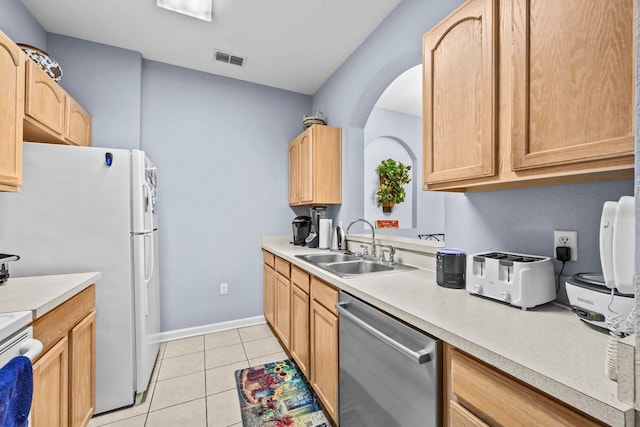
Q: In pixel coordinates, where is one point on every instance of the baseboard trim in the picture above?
(213, 327)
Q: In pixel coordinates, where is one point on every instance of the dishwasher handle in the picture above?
(421, 356)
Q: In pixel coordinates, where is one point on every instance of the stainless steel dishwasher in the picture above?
(389, 371)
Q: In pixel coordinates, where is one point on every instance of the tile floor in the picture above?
(193, 381)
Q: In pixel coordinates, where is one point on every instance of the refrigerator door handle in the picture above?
(148, 269)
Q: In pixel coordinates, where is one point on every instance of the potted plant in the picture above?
(393, 176)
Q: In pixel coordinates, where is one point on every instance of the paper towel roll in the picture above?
(325, 233)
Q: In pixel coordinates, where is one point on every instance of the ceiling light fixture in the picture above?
(200, 9)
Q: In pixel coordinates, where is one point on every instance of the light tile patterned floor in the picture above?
(193, 383)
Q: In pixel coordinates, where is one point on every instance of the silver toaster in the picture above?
(521, 280)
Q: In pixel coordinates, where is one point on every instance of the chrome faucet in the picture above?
(373, 234)
(387, 249)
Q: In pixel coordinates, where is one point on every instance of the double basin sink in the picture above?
(347, 265)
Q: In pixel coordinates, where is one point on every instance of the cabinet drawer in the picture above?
(460, 417)
(501, 400)
(324, 294)
(269, 258)
(56, 324)
(300, 278)
(283, 267)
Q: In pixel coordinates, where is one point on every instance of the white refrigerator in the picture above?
(94, 209)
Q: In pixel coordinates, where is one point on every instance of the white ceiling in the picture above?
(289, 44)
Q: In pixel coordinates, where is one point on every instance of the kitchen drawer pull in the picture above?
(420, 357)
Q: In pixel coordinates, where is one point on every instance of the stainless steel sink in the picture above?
(346, 265)
(327, 258)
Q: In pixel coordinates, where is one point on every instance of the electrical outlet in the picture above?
(566, 238)
(224, 288)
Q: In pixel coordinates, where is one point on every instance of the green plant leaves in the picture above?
(393, 176)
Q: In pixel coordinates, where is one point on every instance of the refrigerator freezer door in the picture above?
(147, 305)
(73, 214)
(144, 184)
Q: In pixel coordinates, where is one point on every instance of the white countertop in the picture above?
(40, 294)
(547, 347)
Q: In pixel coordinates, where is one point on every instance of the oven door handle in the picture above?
(420, 357)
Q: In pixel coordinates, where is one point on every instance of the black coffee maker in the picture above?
(301, 226)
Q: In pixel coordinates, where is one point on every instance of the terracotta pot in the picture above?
(387, 207)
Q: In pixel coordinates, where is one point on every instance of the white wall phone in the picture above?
(617, 244)
(617, 257)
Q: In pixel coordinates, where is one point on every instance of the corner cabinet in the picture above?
(477, 394)
(12, 74)
(64, 374)
(315, 167)
(528, 92)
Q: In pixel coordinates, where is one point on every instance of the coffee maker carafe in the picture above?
(316, 213)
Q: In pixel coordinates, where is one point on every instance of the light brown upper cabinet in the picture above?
(79, 123)
(315, 169)
(529, 92)
(12, 71)
(51, 115)
(573, 81)
(459, 95)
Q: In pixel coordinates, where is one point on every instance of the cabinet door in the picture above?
(300, 328)
(282, 309)
(78, 125)
(459, 100)
(11, 113)
(324, 357)
(306, 167)
(82, 363)
(45, 100)
(574, 81)
(294, 170)
(268, 296)
(50, 404)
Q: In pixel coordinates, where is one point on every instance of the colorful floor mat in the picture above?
(277, 395)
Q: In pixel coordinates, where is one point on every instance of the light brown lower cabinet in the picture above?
(268, 286)
(299, 342)
(64, 373)
(324, 345)
(82, 363)
(477, 394)
(50, 404)
(282, 298)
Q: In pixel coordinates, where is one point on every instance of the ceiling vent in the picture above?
(229, 59)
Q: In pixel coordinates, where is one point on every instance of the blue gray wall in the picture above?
(221, 150)
(428, 206)
(510, 220)
(106, 81)
(18, 23)
(348, 97)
